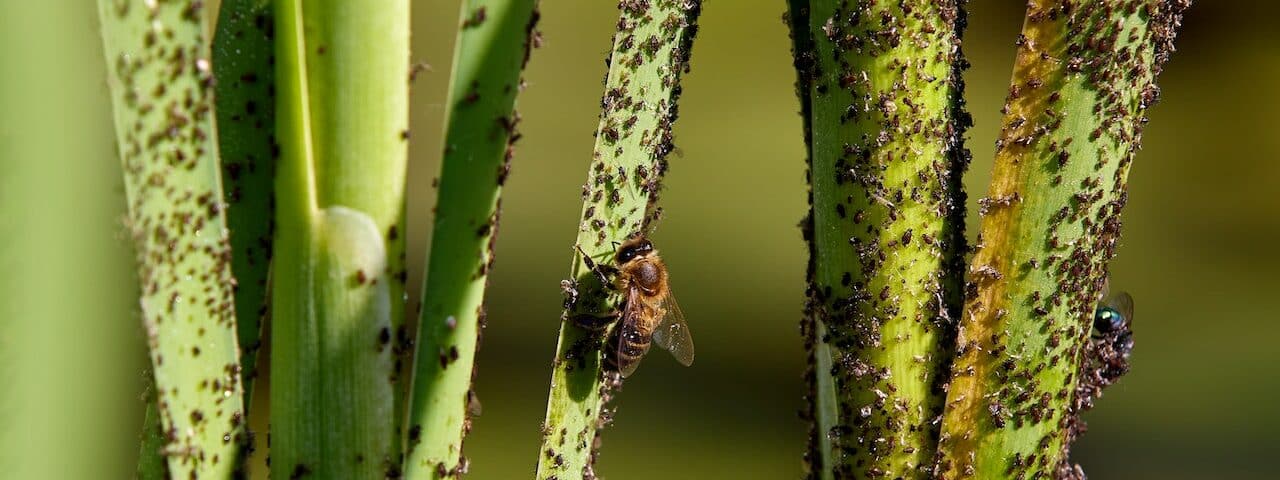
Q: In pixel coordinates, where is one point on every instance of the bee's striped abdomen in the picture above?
(630, 342)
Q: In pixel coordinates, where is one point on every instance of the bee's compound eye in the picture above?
(626, 254)
(631, 250)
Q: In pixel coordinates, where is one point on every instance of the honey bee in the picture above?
(649, 313)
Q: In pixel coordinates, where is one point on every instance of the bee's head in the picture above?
(631, 249)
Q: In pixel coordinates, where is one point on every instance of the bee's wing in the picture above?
(673, 333)
(630, 335)
(1123, 303)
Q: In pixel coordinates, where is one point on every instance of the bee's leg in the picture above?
(593, 321)
(602, 272)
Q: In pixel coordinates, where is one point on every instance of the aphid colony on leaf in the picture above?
(648, 313)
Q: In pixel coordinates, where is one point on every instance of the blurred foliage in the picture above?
(71, 341)
(1196, 252)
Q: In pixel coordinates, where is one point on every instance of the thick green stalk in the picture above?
(493, 44)
(161, 84)
(341, 122)
(1083, 79)
(242, 56)
(887, 222)
(650, 52)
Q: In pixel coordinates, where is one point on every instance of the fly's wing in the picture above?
(1123, 303)
(672, 333)
(631, 342)
(473, 404)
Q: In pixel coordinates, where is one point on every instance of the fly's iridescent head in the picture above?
(1108, 319)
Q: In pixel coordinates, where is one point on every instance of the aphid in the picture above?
(649, 313)
(570, 290)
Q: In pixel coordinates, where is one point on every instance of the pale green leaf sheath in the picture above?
(1082, 82)
(341, 121)
(886, 229)
(650, 52)
(494, 40)
(242, 51)
(161, 84)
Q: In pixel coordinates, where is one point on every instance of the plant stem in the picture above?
(161, 85)
(650, 52)
(1083, 79)
(493, 45)
(242, 64)
(886, 233)
(341, 124)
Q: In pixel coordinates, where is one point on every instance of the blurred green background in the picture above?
(1197, 251)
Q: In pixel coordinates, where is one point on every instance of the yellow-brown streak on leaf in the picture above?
(998, 230)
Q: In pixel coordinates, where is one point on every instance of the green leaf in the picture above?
(161, 83)
(493, 45)
(242, 63)
(1083, 79)
(650, 52)
(886, 229)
